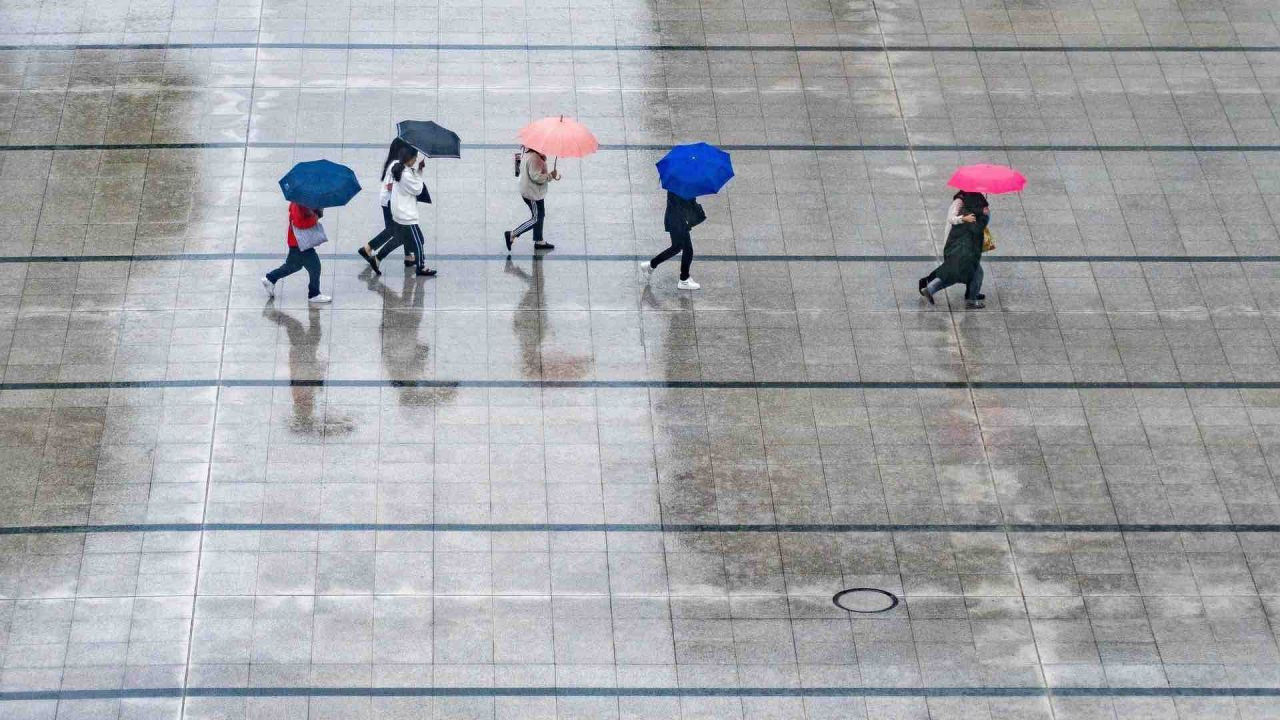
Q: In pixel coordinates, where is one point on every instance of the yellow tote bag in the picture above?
(988, 241)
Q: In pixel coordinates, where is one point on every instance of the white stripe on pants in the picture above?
(527, 225)
(410, 237)
(416, 233)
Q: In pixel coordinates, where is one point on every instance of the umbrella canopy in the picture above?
(693, 170)
(429, 138)
(319, 184)
(562, 137)
(989, 179)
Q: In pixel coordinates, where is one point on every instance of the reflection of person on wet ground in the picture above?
(530, 305)
(303, 345)
(404, 356)
(536, 363)
(679, 342)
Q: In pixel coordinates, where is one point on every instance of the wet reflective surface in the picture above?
(536, 487)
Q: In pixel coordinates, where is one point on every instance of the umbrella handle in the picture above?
(555, 162)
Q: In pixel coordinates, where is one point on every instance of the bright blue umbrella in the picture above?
(320, 184)
(693, 170)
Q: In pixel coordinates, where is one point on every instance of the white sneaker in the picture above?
(688, 285)
(269, 286)
(319, 299)
(646, 271)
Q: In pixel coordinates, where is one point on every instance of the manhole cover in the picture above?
(865, 600)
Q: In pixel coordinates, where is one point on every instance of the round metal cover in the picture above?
(865, 600)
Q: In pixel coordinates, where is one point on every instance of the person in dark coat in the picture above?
(681, 216)
(962, 255)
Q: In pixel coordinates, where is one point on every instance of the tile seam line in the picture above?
(679, 528)
(591, 691)
(657, 47)
(612, 147)
(600, 257)
(650, 384)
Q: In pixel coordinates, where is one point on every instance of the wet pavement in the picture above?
(536, 487)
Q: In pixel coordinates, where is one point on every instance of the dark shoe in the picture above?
(924, 282)
(924, 292)
(543, 246)
(975, 304)
(507, 236)
(373, 261)
(426, 272)
(410, 261)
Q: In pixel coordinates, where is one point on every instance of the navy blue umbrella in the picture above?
(693, 170)
(430, 139)
(320, 184)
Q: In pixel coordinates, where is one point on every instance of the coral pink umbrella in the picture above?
(991, 179)
(559, 137)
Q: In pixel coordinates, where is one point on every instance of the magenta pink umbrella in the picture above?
(989, 179)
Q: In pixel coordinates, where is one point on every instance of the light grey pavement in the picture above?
(537, 487)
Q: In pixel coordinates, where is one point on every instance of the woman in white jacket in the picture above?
(403, 152)
(406, 185)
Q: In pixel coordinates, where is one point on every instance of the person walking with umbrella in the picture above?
(681, 216)
(407, 184)
(369, 251)
(310, 187)
(967, 236)
(686, 172)
(962, 255)
(561, 137)
(421, 139)
(302, 221)
(534, 181)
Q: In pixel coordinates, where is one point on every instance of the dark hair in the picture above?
(407, 154)
(393, 154)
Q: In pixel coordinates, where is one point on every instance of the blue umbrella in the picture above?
(320, 184)
(693, 170)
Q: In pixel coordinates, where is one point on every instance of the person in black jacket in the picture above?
(681, 216)
(962, 255)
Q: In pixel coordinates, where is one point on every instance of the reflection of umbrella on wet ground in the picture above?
(429, 138)
(987, 179)
(693, 170)
(319, 184)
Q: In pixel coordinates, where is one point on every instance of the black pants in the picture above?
(408, 236)
(297, 260)
(537, 213)
(681, 243)
(386, 240)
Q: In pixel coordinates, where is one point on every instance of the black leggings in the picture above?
(682, 243)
